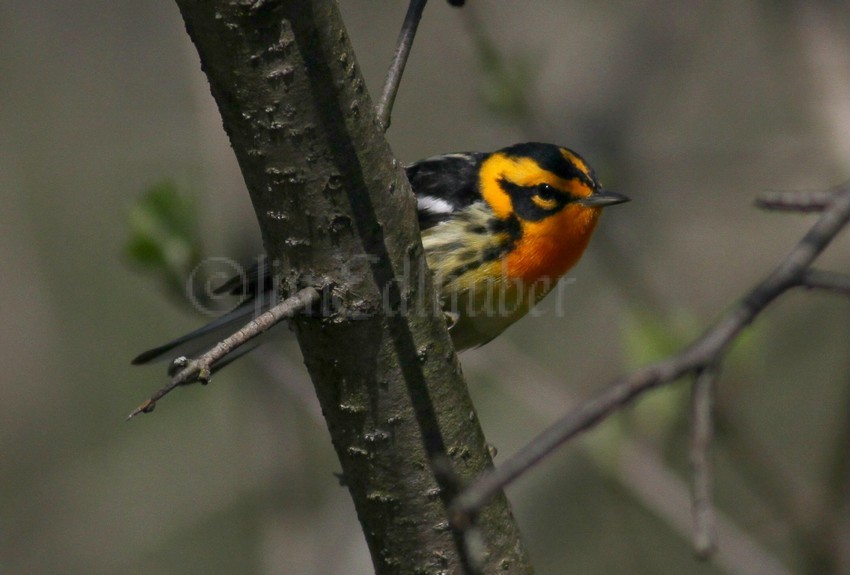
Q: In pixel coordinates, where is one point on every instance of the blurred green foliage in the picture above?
(164, 236)
(504, 79)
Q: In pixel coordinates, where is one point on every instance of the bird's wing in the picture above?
(443, 185)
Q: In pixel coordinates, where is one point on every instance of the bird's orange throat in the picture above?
(548, 248)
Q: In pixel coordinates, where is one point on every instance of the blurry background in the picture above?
(691, 111)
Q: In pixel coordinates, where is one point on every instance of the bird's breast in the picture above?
(550, 247)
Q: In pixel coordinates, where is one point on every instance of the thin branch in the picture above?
(640, 467)
(705, 351)
(702, 435)
(662, 491)
(796, 201)
(829, 281)
(200, 369)
(402, 51)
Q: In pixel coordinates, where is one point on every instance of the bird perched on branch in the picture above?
(499, 230)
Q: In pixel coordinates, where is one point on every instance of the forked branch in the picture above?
(705, 352)
(200, 369)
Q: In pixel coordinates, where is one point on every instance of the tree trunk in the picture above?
(336, 212)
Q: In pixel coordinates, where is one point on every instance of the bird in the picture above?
(499, 229)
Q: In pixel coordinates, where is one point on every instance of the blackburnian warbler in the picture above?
(499, 230)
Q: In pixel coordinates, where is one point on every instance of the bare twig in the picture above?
(829, 281)
(796, 201)
(640, 467)
(705, 351)
(402, 51)
(666, 495)
(200, 369)
(702, 435)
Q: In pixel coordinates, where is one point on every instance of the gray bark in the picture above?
(336, 211)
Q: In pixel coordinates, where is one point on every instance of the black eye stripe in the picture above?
(524, 206)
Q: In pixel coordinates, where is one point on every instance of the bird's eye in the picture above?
(545, 192)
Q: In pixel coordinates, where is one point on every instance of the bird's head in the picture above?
(554, 197)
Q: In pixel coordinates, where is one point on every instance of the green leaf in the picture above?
(163, 234)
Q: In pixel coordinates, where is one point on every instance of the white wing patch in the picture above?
(434, 205)
(467, 156)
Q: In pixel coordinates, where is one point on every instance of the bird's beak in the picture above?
(602, 198)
